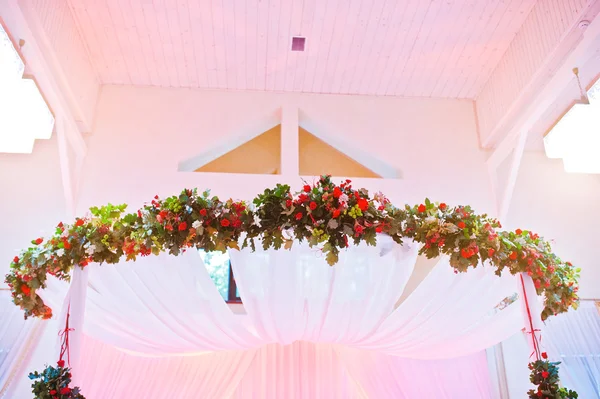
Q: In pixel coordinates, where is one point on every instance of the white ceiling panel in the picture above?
(411, 48)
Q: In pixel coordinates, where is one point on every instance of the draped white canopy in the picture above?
(168, 308)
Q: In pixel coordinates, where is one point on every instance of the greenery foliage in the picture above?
(53, 383)
(327, 215)
(544, 375)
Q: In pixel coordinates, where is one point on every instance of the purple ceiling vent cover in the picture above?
(298, 43)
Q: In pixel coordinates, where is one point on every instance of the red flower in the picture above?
(65, 391)
(237, 223)
(518, 232)
(79, 222)
(288, 203)
(53, 392)
(461, 225)
(203, 212)
(422, 208)
(533, 236)
(378, 229)
(442, 206)
(491, 252)
(545, 374)
(169, 227)
(39, 241)
(225, 222)
(16, 259)
(163, 214)
(307, 188)
(544, 355)
(363, 204)
(336, 213)
(313, 205)
(337, 192)
(467, 252)
(139, 213)
(67, 244)
(540, 394)
(358, 229)
(299, 216)
(513, 255)
(25, 289)
(182, 226)
(60, 224)
(61, 363)
(302, 198)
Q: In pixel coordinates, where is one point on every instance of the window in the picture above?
(219, 268)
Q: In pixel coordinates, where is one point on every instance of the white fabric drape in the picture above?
(450, 315)
(291, 295)
(573, 338)
(168, 305)
(110, 373)
(384, 376)
(161, 305)
(17, 339)
(301, 370)
(164, 314)
(294, 295)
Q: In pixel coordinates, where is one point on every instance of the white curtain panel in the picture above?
(106, 372)
(573, 338)
(384, 376)
(450, 315)
(294, 295)
(18, 338)
(302, 370)
(159, 328)
(159, 305)
(168, 305)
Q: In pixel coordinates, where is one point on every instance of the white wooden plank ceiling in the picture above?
(411, 48)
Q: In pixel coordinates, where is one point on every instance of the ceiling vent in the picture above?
(298, 43)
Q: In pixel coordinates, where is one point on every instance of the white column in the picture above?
(290, 167)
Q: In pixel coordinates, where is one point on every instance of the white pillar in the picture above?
(290, 164)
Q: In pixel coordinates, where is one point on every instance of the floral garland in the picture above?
(53, 383)
(326, 215)
(544, 375)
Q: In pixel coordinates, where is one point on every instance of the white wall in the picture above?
(141, 135)
(31, 198)
(563, 207)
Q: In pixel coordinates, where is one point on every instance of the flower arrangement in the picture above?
(544, 375)
(53, 383)
(330, 216)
